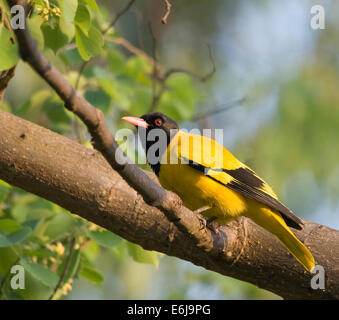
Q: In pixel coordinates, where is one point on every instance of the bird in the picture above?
(211, 180)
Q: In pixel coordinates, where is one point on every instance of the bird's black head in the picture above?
(150, 122)
(160, 121)
(154, 120)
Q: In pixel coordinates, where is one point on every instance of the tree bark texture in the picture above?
(80, 180)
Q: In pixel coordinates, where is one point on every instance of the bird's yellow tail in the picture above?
(274, 223)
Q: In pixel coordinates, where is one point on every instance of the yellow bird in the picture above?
(206, 175)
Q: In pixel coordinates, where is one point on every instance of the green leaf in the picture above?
(120, 251)
(83, 19)
(68, 9)
(67, 28)
(3, 192)
(119, 92)
(56, 112)
(92, 275)
(9, 256)
(34, 25)
(54, 38)
(99, 99)
(91, 251)
(15, 237)
(93, 5)
(41, 273)
(40, 253)
(70, 57)
(91, 45)
(4, 241)
(59, 225)
(141, 255)
(104, 238)
(139, 68)
(8, 49)
(181, 96)
(9, 225)
(5, 184)
(142, 99)
(116, 61)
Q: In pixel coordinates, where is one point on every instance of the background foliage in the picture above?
(280, 115)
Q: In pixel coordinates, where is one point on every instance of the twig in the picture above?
(117, 17)
(85, 63)
(131, 48)
(168, 11)
(155, 96)
(163, 77)
(128, 46)
(65, 270)
(169, 203)
(5, 78)
(192, 74)
(224, 108)
(6, 75)
(76, 124)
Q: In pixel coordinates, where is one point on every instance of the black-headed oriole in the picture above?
(206, 175)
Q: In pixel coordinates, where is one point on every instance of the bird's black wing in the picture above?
(244, 181)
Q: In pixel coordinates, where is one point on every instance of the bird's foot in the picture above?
(213, 225)
(210, 223)
(202, 209)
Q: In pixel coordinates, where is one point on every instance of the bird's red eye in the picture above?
(158, 122)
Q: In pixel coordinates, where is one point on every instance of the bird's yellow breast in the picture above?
(195, 188)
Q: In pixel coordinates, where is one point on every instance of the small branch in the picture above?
(76, 124)
(131, 48)
(167, 13)
(169, 203)
(192, 74)
(118, 16)
(6, 75)
(161, 78)
(5, 78)
(155, 96)
(65, 270)
(224, 108)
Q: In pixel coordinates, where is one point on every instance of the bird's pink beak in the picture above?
(136, 121)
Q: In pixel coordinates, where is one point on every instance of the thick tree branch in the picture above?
(93, 118)
(80, 180)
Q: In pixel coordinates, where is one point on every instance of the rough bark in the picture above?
(80, 180)
(170, 204)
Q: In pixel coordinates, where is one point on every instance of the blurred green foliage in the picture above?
(295, 149)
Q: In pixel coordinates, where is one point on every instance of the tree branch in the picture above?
(80, 180)
(167, 13)
(5, 75)
(119, 14)
(168, 202)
